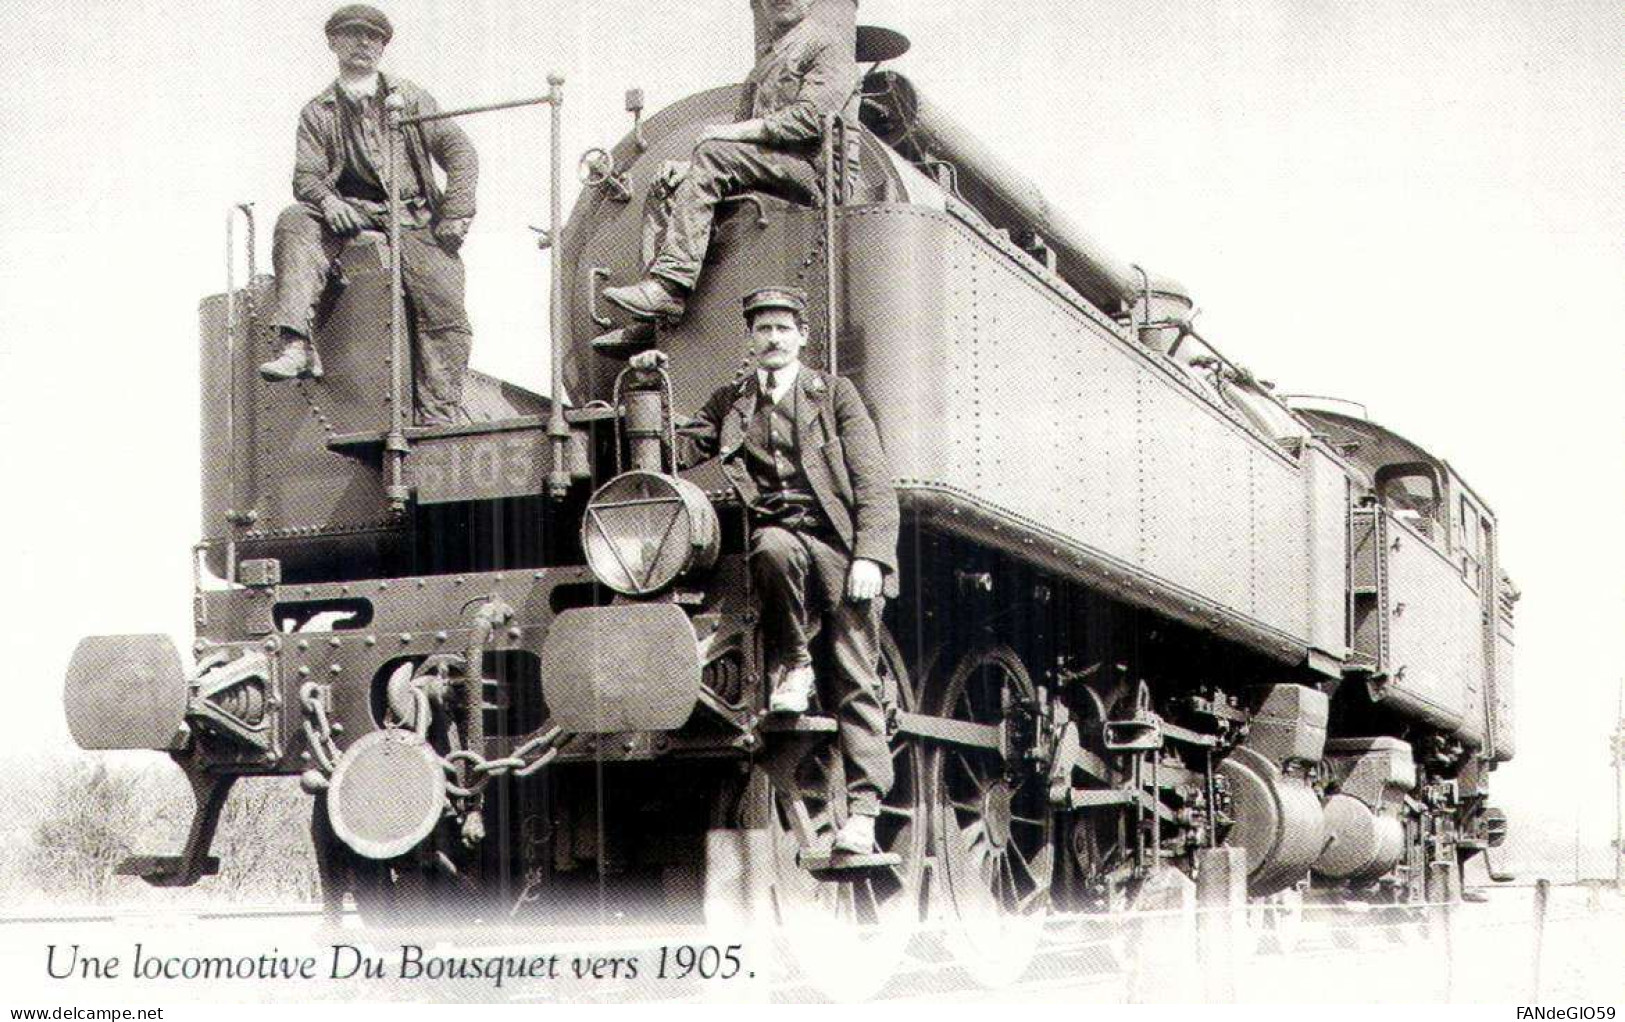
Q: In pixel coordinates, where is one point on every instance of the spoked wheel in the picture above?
(991, 827)
(847, 931)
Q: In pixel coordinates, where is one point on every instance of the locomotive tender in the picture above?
(1150, 611)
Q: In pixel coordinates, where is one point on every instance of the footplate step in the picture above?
(840, 865)
(799, 724)
(167, 870)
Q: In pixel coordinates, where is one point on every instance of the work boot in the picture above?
(651, 299)
(298, 359)
(857, 836)
(794, 690)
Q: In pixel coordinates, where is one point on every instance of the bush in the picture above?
(89, 815)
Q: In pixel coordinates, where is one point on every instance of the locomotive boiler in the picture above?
(1154, 618)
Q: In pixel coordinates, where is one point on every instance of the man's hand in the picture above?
(672, 173)
(341, 217)
(450, 233)
(648, 361)
(864, 581)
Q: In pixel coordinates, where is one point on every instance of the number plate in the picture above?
(478, 467)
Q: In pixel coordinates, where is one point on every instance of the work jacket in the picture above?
(837, 449)
(808, 72)
(319, 151)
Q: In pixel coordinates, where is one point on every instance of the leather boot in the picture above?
(794, 690)
(857, 836)
(649, 300)
(293, 363)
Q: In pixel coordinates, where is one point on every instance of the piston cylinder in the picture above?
(1365, 837)
(1278, 816)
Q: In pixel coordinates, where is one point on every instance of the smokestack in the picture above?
(842, 13)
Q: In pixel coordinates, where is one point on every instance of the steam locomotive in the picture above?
(1154, 617)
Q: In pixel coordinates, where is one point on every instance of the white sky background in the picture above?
(1414, 205)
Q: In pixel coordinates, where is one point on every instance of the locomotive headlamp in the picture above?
(645, 530)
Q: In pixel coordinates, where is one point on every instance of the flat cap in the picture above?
(361, 16)
(787, 298)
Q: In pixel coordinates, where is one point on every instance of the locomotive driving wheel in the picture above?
(991, 826)
(847, 930)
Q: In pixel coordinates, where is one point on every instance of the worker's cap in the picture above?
(361, 16)
(787, 298)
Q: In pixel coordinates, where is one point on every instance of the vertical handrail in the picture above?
(236, 517)
(832, 186)
(395, 446)
(558, 431)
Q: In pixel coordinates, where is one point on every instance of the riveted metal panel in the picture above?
(1280, 560)
(1436, 648)
(1327, 536)
(1506, 745)
(1053, 416)
(1104, 484)
(919, 434)
(1195, 523)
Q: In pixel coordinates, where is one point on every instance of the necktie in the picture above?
(772, 387)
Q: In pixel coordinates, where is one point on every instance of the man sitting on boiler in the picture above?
(808, 72)
(804, 456)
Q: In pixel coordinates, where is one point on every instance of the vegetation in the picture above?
(76, 819)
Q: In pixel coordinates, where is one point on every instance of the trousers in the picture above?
(303, 249)
(801, 578)
(677, 223)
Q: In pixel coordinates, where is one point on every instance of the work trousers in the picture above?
(677, 223)
(303, 250)
(801, 578)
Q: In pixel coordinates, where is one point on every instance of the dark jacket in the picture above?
(839, 450)
(807, 73)
(319, 151)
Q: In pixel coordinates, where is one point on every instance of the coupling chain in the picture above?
(318, 727)
(524, 761)
(527, 759)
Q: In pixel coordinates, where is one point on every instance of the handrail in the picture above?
(1240, 371)
(396, 444)
(236, 518)
(558, 432)
(835, 139)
